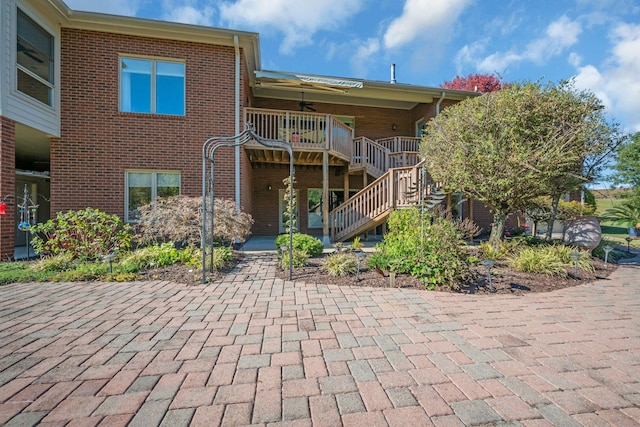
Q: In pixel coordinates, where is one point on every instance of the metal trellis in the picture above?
(208, 154)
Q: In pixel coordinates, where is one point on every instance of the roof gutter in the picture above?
(439, 102)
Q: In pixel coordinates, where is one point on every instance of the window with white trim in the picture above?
(152, 86)
(34, 60)
(143, 187)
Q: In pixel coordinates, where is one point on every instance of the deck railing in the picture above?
(310, 131)
(370, 155)
(398, 144)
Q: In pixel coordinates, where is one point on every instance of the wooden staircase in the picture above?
(396, 188)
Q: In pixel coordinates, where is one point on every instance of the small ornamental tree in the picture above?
(179, 219)
(482, 83)
(527, 140)
(289, 217)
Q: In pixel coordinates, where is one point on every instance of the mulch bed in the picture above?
(504, 279)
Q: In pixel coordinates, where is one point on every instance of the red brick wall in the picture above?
(7, 186)
(99, 143)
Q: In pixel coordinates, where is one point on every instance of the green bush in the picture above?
(436, 258)
(552, 260)
(152, 256)
(85, 234)
(54, 263)
(221, 256)
(340, 264)
(538, 260)
(303, 242)
(300, 258)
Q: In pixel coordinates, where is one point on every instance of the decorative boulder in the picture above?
(584, 232)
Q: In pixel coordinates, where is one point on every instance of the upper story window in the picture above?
(34, 54)
(152, 86)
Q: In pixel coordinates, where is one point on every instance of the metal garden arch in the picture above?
(208, 194)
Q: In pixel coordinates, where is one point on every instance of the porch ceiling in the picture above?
(259, 155)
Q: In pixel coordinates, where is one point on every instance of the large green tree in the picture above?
(504, 148)
(627, 164)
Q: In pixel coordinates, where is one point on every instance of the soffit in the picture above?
(336, 90)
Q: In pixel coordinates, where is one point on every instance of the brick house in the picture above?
(111, 112)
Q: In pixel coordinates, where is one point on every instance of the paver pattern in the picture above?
(256, 350)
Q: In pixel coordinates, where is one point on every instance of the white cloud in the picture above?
(298, 20)
(423, 19)
(559, 36)
(361, 59)
(616, 83)
(187, 13)
(114, 7)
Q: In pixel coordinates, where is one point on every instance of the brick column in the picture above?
(7, 186)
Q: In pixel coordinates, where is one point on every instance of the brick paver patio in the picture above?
(255, 350)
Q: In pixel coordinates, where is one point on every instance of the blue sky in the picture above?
(597, 42)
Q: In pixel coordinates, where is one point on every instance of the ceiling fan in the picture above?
(306, 105)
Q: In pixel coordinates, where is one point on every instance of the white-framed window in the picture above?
(143, 187)
(154, 86)
(34, 60)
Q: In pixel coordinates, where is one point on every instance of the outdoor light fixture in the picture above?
(607, 249)
(109, 257)
(488, 264)
(575, 256)
(269, 187)
(628, 239)
(359, 257)
(394, 126)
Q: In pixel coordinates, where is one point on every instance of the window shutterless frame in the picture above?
(35, 50)
(149, 186)
(152, 85)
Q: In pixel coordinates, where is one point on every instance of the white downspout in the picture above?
(237, 119)
(438, 103)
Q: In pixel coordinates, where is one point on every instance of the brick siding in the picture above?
(98, 143)
(7, 186)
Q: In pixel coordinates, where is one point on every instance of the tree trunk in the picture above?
(555, 199)
(497, 229)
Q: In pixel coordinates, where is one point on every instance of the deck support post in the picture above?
(326, 239)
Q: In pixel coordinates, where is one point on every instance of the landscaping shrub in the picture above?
(436, 257)
(303, 242)
(552, 260)
(340, 264)
(221, 256)
(85, 234)
(538, 260)
(154, 256)
(300, 258)
(179, 219)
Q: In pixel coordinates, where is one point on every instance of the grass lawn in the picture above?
(612, 230)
